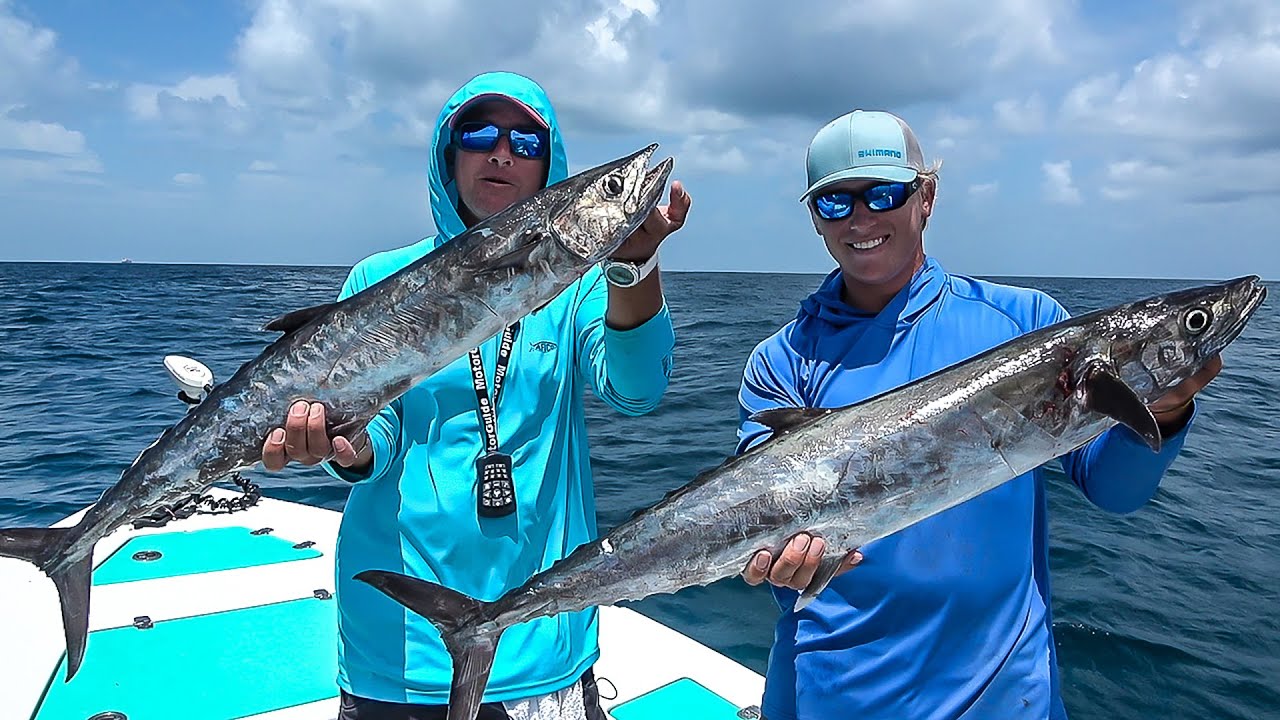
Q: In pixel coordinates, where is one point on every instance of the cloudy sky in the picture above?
(1077, 138)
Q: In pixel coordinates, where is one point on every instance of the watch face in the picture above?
(620, 274)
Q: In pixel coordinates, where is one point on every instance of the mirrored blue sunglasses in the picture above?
(838, 204)
(527, 142)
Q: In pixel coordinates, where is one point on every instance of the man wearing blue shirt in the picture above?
(414, 505)
(949, 618)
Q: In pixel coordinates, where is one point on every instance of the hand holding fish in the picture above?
(1172, 408)
(304, 439)
(630, 307)
(797, 564)
(661, 222)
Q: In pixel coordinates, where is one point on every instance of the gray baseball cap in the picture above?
(863, 144)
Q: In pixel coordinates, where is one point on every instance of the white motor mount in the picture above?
(191, 376)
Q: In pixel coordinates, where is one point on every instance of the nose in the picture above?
(859, 214)
(501, 154)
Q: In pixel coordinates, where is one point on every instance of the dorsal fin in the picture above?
(781, 420)
(291, 321)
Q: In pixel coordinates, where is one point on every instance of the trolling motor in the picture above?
(195, 380)
(192, 377)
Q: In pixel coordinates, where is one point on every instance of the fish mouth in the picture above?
(1255, 292)
(1246, 293)
(647, 192)
(644, 187)
(655, 179)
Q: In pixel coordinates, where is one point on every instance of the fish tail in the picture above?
(42, 547)
(465, 625)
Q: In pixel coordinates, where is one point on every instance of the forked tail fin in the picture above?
(42, 547)
(462, 623)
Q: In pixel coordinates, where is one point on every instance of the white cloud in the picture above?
(1022, 117)
(629, 65)
(145, 101)
(336, 63)
(199, 105)
(1128, 178)
(1215, 96)
(40, 137)
(30, 62)
(775, 60)
(604, 29)
(984, 190)
(1058, 185)
(281, 58)
(44, 151)
(329, 104)
(951, 130)
(950, 124)
(703, 154)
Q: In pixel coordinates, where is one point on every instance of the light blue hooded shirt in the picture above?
(949, 618)
(415, 511)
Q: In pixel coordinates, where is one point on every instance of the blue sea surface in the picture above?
(1170, 612)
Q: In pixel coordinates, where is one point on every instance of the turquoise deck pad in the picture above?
(683, 698)
(199, 551)
(211, 667)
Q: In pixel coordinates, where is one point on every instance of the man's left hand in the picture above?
(662, 221)
(1173, 408)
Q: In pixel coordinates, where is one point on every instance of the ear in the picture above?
(928, 193)
(449, 151)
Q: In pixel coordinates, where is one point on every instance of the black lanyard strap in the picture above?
(496, 495)
(485, 407)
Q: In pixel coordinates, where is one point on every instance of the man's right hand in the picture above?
(795, 567)
(303, 439)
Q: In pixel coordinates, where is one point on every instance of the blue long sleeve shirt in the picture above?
(949, 618)
(414, 510)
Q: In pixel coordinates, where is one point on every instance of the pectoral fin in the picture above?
(1106, 393)
(827, 568)
(515, 259)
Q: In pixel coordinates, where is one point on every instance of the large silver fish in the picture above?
(358, 355)
(855, 474)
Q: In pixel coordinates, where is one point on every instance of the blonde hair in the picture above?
(929, 175)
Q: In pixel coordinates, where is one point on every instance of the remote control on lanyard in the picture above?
(496, 492)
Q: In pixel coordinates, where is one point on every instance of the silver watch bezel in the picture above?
(635, 271)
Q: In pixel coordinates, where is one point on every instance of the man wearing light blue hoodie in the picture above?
(949, 618)
(414, 505)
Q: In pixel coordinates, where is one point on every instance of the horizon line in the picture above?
(817, 273)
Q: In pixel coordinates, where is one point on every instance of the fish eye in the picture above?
(613, 185)
(1196, 320)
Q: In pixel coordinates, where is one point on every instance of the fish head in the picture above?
(1157, 343)
(599, 208)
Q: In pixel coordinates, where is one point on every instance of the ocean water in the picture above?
(1173, 611)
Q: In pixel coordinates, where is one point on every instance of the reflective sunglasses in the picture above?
(526, 142)
(838, 204)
